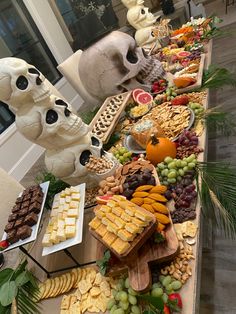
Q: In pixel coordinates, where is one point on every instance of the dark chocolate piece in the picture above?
(19, 222)
(16, 208)
(24, 232)
(25, 204)
(9, 226)
(18, 200)
(23, 212)
(12, 236)
(35, 207)
(12, 217)
(31, 219)
(27, 197)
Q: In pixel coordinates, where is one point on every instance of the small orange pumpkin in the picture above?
(158, 148)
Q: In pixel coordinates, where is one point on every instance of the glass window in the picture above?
(87, 21)
(20, 38)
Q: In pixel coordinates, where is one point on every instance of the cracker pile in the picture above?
(63, 217)
(92, 294)
(172, 119)
(119, 222)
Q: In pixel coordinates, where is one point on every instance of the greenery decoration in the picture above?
(88, 116)
(103, 263)
(18, 290)
(218, 121)
(215, 77)
(56, 185)
(216, 183)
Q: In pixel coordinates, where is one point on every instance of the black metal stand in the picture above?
(68, 253)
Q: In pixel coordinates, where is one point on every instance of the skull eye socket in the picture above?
(152, 34)
(22, 82)
(61, 102)
(67, 112)
(131, 57)
(95, 141)
(142, 11)
(84, 157)
(33, 71)
(51, 116)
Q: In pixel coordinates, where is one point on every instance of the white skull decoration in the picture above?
(49, 121)
(112, 65)
(21, 83)
(145, 37)
(131, 3)
(140, 17)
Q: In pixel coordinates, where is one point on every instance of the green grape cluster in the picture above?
(122, 155)
(196, 107)
(171, 93)
(124, 299)
(172, 170)
(165, 286)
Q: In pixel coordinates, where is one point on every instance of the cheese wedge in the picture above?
(120, 246)
(132, 228)
(109, 238)
(117, 211)
(95, 223)
(125, 235)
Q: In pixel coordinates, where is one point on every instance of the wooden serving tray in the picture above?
(198, 83)
(135, 245)
(138, 267)
(106, 135)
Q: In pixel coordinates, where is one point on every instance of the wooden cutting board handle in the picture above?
(139, 271)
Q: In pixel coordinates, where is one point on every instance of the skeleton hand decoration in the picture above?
(49, 121)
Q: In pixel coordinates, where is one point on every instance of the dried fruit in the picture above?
(158, 189)
(162, 218)
(140, 194)
(144, 188)
(160, 208)
(157, 197)
(137, 200)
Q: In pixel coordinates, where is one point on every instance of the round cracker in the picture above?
(74, 271)
(51, 289)
(68, 282)
(42, 288)
(56, 287)
(63, 278)
(47, 284)
(72, 281)
(61, 284)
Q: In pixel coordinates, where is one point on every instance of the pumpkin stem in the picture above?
(154, 139)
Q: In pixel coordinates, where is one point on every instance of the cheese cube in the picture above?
(49, 229)
(62, 194)
(70, 221)
(70, 231)
(73, 212)
(117, 211)
(66, 207)
(120, 246)
(68, 199)
(75, 189)
(61, 224)
(95, 223)
(54, 238)
(54, 226)
(61, 235)
(67, 191)
(142, 215)
(112, 228)
(54, 212)
(130, 211)
(125, 235)
(99, 213)
(101, 230)
(109, 238)
(60, 216)
(105, 221)
(111, 203)
(75, 196)
(105, 209)
(62, 201)
(74, 204)
(60, 208)
(47, 240)
(139, 223)
(132, 228)
(125, 217)
(111, 216)
(119, 222)
(55, 204)
(64, 215)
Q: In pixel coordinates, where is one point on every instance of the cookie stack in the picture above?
(24, 214)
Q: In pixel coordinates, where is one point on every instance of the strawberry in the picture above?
(177, 299)
(3, 245)
(180, 101)
(166, 309)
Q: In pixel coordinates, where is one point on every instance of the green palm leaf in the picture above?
(215, 77)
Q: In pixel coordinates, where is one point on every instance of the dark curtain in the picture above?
(94, 19)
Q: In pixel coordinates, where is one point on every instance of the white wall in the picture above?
(17, 155)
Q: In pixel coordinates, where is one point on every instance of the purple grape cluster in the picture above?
(196, 54)
(188, 138)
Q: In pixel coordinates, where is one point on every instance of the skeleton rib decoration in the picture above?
(115, 64)
(72, 152)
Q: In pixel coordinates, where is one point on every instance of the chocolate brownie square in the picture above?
(19, 222)
(24, 232)
(25, 204)
(34, 188)
(12, 236)
(27, 197)
(9, 226)
(18, 200)
(31, 219)
(16, 208)
(12, 217)
(23, 212)
(37, 198)
(35, 207)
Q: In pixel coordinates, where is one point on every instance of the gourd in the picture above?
(159, 148)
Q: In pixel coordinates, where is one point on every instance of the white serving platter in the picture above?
(35, 228)
(79, 228)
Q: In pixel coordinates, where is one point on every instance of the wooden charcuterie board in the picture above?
(138, 266)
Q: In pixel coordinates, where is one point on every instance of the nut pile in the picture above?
(90, 196)
(110, 186)
(99, 165)
(179, 267)
(198, 97)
